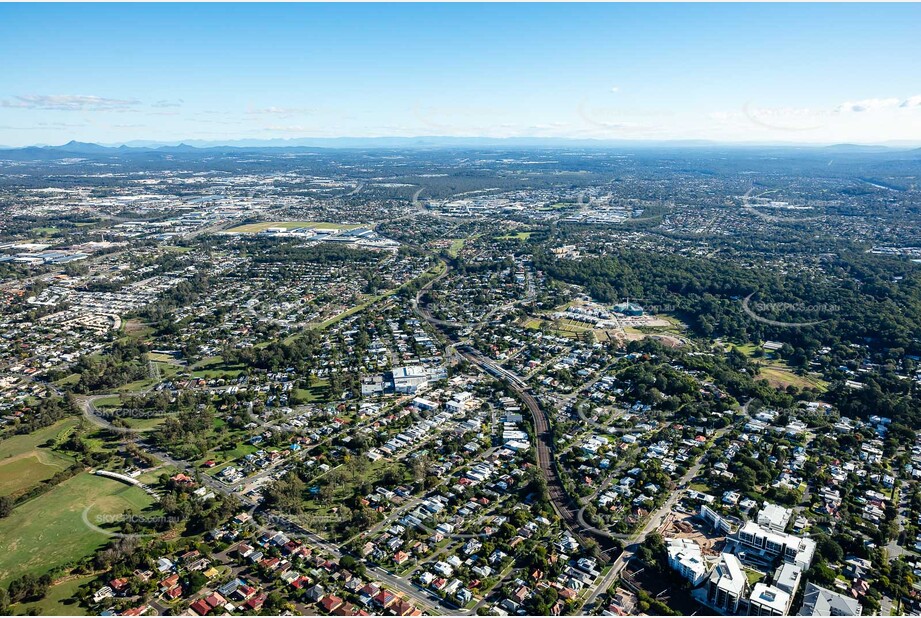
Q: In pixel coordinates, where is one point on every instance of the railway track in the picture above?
(563, 504)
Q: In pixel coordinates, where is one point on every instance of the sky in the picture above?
(113, 73)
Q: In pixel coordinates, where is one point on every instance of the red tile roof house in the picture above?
(521, 594)
(257, 601)
(174, 593)
(403, 608)
(167, 583)
(244, 592)
(190, 555)
(270, 563)
(300, 582)
(568, 594)
(200, 607)
(346, 609)
(385, 598)
(214, 599)
(330, 603)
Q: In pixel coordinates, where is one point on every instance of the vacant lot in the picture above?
(24, 463)
(252, 228)
(49, 531)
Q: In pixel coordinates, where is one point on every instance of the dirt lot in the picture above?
(687, 526)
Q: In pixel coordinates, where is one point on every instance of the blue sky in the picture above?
(775, 72)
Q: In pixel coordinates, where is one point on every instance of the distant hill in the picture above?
(87, 149)
(857, 148)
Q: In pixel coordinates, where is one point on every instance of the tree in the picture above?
(828, 549)
(196, 581)
(820, 574)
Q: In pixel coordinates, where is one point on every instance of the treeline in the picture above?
(860, 298)
(122, 363)
(322, 253)
(180, 295)
(299, 352)
(46, 412)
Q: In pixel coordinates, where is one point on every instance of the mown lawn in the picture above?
(515, 236)
(24, 463)
(49, 531)
(455, 247)
(57, 602)
(251, 228)
(780, 377)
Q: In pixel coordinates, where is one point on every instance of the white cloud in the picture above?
(615, 88)
(287, 129)
(68, 102)
(168, 103)
(282, 112)
(867, 105)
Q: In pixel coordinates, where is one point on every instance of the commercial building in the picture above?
(410, 380)
(787, 577)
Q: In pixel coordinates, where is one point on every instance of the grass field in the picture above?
(515, 236)
(19, 474)
(214, 367)
(136, 328)
(57, 601)
(747, 349)
(24, 464)
(532, 323)
(252, 228)
(318, 391)
(455, 247)
(48, 531)
(781, 378)
(68, 380)
(221, 456)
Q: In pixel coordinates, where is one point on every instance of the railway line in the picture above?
(564, 506)
(562, 503)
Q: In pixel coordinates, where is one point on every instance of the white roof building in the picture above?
(685, 557)
(768, 601)
(774, 517)
(727, 584)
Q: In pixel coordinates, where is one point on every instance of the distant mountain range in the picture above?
(430, 142)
